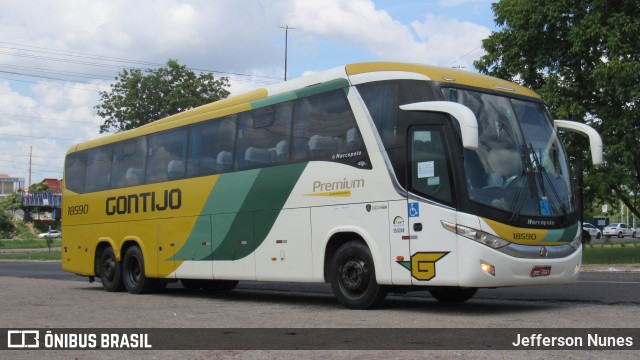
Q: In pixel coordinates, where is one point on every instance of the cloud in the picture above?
(88, 42)
(435, 40)
(450, 47)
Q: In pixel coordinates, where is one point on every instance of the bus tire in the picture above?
(353, 277)
(453, 295)
(110, 271)
(133, 276)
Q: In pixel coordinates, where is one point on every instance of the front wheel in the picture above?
(133, 274)
(453, 295)
(353, 277)
(620, 235)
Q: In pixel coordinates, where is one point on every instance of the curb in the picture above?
(610, 268)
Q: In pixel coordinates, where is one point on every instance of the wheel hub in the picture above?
(354, 275)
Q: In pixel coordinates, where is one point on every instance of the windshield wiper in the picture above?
(518, 200)
(542, 175)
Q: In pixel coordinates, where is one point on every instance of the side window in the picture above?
(166, 155)
(211, 147)
(263, 136)
(383, 99)
(325, 128)
(98, 168)
(430, 169)
(75, 166)
(128, 163)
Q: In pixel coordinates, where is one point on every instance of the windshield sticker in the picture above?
(426, 169)
(432, 181)
(544, 206)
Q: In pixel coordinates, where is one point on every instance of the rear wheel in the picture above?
(353, 279)
(453, 295)
(133, 275)
(110, 271)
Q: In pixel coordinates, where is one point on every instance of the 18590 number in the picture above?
(78, 210)
(524, 236)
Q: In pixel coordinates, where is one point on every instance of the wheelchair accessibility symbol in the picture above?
(414, 210)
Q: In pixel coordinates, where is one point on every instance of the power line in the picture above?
(41, 137)
(35, 156)
(103, 58)
(47, 84)
(48, 119)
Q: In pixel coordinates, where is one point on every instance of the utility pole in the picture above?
(30, 153)
(286, 45)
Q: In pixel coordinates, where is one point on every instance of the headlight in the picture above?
(481, 237)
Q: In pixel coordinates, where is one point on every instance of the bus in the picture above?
(374, 177)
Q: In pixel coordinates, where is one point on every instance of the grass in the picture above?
(41, 255)
(599, 255)
(28, 244)
(622, 255)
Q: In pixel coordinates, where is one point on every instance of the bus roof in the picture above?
(317, 82)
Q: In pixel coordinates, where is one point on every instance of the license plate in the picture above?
(540, 271)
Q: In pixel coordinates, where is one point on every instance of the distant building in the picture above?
(8, 185)
(55, 185)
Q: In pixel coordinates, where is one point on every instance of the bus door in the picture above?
(430, 206)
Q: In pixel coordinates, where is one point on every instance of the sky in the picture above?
(56, 56)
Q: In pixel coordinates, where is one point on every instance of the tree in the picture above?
(11, 203)
(36, 187)
(139, 97)
(583, 58)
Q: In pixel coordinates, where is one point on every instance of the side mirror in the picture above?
(595, 141)
(465, 117)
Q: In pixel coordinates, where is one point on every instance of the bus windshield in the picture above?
(520, 165)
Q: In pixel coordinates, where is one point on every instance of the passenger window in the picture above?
(263, 136)
(166, 155)
(324, 127)
(98, 168)
(128, 163)
(430, 169)
(74, 172)
(211, 147)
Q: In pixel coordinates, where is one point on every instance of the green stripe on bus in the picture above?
(244, 205)
(567, 234)
(297, 94)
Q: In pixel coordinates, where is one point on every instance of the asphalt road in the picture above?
(603, 287)
(40, 295)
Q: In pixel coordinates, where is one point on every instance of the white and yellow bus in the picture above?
(375, 177)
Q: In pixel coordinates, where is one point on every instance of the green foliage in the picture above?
(140, 97)
(7, 229)
(11, 203)
(583, 58)
(23, 232)
(38, 187)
